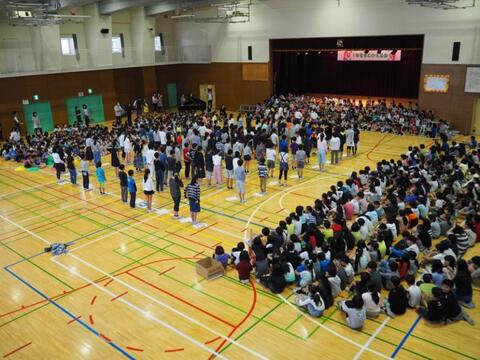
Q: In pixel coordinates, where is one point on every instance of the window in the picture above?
(67, 44)
(159, 42)
(117, 44)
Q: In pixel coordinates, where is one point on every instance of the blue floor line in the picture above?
(85, 325)
(407, 335)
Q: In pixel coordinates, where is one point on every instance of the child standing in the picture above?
(85, 175)
(262, 175)
(122, 175)
(100, 177)
(217, 168)
(132, 188)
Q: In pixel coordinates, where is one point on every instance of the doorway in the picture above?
(476, 117)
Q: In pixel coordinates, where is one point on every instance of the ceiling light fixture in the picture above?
(443, 4)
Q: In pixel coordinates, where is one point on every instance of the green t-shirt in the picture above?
(426, 288)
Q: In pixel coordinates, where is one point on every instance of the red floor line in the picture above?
(187, 239)
(280, 210)
(93, 300)
(250, 311)
(105, 337)
(199, 253)
(182, 300)
(73, 320)
(90, 318)
(17, 349)
(213, 340)
(88, 201)
(169, 269)
(244, 230)
(265, 218)
(202, 229)
(307, 196)
(108, 282)
(135, 349)
(174, 350)
(376, 145)
(119, 296)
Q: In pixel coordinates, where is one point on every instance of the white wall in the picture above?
(273, 19)
(16, 53)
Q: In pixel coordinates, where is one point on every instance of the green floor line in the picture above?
(293, 322)
(224, 302)
(253, 325)
(37, 266)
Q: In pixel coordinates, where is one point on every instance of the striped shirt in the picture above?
(192, 191)
(262, 171)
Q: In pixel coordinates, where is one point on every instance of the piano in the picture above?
(192, 103)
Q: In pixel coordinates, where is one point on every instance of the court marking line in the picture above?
(27, 189)
(140, 310)
(68, 313)
(119, 296)
(73, 320)
(333, 331)
(181, 314)
(17, 349)
(405, 338)
(135, 349)
(181, 300)
(109, 292)
(370, 340)
(174, 350)
(93, 300)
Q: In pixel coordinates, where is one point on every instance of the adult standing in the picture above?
(16, 121)
(118, 113)
(86, 115)
(37, 125)
(115, 161)
(322, 148)
(283, 165)
(58, 162)
(239, 174)
(175, 185)
(155, 102)
(127, 145)
(148, 188)
(192, 193)
(334, 148)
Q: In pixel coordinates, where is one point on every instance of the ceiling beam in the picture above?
(107, 7)
(172, 5)
(68, 3)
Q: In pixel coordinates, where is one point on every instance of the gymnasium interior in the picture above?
(94, 88)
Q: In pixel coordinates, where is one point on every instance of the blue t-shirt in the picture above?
(100, 174)
(132, 187)
(283, 145)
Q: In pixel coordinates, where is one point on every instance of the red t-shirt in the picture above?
(477, 230)
(348, 208)
(244, 268)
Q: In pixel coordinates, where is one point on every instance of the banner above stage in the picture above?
(372, 55)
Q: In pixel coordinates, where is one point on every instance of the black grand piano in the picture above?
(190, 103)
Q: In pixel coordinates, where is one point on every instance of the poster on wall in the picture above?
(472, 81)
(369, 55)
(434, 83)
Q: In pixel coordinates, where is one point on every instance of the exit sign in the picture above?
(36, 97)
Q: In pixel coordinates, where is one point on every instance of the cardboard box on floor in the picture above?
(209, 268)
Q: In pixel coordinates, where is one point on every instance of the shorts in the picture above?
(300, 164)
(101, 183)
(240, 186)
(271, 164)
(209, 175)
(148, 192)
(194, 206)
(229, 174)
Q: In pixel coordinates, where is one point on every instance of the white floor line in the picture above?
(179, 313)
(226, 232)
(113, 232)
(299, 186)
(245, 235)
(192, 320)
(50, 212)
(142, 311)
(370, 340)
(308, 317)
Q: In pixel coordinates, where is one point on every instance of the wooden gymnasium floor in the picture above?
(128, 287)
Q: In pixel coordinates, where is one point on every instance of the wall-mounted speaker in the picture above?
(456, 51)
(250, 55)
(104, 31)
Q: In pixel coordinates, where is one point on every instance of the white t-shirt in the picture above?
(414, 296)
(369, 303)
(271, 154)
(335, 143)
